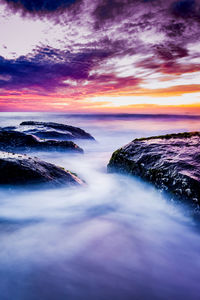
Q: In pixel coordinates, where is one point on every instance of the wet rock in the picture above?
(9, 128)
(51, 130)
(16, 169)
(18, 141)
(171, 162)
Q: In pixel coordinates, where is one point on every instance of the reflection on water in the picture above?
(116, 238)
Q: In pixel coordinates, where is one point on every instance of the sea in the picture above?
(115, 238)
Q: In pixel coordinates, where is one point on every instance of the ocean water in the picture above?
(115, 238)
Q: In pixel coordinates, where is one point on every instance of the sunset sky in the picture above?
(137, 56)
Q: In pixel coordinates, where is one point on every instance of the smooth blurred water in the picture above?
(116, 238)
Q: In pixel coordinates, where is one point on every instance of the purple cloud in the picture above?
(184, 8)
(99, 35)
(40, 6)
(48, 69)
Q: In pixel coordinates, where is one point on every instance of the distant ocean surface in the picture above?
(118, 238)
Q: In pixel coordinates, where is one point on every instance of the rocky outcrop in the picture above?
(16, 169)
(11, 140)
(171, 162)
(51, 130)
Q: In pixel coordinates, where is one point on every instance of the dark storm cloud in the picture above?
(47, 69)
(170, 52)
(40, 6)
(174, 29)
(184, 8)
(110, 10)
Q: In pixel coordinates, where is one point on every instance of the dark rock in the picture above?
(170, 162)
(49, 134)
(49, 130)
(9, 128)
(18, 169)
(18, 141)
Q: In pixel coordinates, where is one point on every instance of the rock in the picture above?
(171, 162)
(51, 130)
(9, 128)
(49, 134)
(11, 140)
(18, 169)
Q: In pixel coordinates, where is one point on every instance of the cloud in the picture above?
(110, 83)
(39, 6)
(170, 51)
(110, 11)
(103, 47)
(184, 8)
(48, 69)
(174, 29)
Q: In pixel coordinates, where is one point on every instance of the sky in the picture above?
(134, 56)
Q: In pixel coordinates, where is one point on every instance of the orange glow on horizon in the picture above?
(179, 99)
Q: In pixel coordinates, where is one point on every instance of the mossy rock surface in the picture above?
(171, 162)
